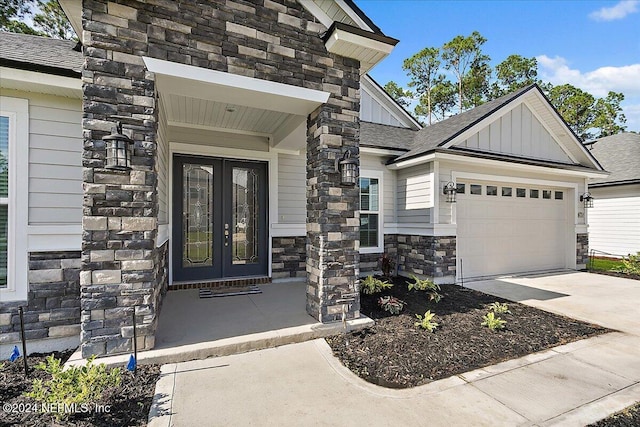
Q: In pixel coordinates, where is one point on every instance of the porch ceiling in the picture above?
(223, 101)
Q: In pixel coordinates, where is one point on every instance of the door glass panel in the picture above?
(197, 209)
(244, 216)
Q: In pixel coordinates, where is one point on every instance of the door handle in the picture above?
(226, 234)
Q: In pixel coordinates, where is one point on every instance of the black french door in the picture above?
(219, 218)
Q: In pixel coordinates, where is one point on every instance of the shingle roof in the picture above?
(41, 54)
(385, 136)
(440, 133)
(618, 154)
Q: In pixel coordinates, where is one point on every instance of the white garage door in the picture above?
(510, 228)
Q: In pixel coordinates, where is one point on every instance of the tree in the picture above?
(609, 119)
(424, 70)
(458, 56)
(576, 107)
(514, 73)
(477, 85)
(400, 95)
(443, 99)
(52, 22)
(12, 12)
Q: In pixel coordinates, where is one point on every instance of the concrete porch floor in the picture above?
(191, 328)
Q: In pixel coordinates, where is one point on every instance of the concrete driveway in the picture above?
(605, 300)
(303, 384)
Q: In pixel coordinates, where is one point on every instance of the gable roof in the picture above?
(620, 155)
(384, 136)
(370, 85)
(40, 54)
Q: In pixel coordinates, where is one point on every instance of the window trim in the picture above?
(375, 174)
(17, 110)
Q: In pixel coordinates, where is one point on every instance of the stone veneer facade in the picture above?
(52, 308)
(270, 40)
(582, 250)
(289, 257)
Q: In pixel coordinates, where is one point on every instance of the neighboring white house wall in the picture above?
(614, 220)
(414, 193)
(292, 188)
(55, 160)
(518, 132)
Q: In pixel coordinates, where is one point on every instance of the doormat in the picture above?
(228, 292)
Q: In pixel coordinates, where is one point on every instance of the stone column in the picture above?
(120, 208)
(333, 221)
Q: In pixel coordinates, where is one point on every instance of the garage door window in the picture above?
(475, 189)
(506, 191)
(521, 192)
(546, 194)
(534, 194)
(460, 188)
(559, 195)
(370, 213)
(492, 190)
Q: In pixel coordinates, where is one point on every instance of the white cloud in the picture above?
(597, 82)
(619, 11)
(632, 113)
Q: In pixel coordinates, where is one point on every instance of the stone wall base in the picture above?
(288, 258)
(582, 251)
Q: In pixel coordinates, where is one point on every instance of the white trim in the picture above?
(164, 232)
(288, 230)
(545, 125)
(315, 10)
(381, 151)
(435, 212)
(354, 16)
(421, 229)
(370, 85)
(38, 81)
(44, 238)
(367, 43)
(17, 110)
(197, 82)
(379, 175)
(455, 175)
(173, 123)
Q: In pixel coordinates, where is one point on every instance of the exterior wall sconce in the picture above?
(450, 191)
(347, 168)
(587, 200)
(118, 149)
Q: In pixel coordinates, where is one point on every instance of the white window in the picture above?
(14, 152)
(371, 233)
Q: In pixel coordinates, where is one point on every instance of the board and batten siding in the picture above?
(414, 194)
(614, 220)
(372, 111)
(292, 189)
(389, 201)
(55, 159)
(517, 132)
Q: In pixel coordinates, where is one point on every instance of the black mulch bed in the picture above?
(629, 417)
(129, 403)
(395, 353)
(616, 274)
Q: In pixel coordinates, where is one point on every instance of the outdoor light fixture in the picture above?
(587, 200)
(450, 191)
(118, 149)
(347, 168)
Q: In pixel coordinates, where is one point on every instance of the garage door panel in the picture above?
(502, 235)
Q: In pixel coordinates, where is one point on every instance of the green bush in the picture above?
(630, 265)
(425, 322)
(391, 305)
(371, 285)
(498, 308)
(492, 322)
(425, 285)
(76, 385)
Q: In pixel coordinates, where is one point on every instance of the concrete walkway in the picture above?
(303, 384)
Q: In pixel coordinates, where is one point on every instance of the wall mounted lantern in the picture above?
(347, 168)
(587, 200)
(450, 191)
(118, 149)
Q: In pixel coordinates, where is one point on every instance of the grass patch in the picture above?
(604, 264)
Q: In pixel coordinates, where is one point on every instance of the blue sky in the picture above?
(594, 45)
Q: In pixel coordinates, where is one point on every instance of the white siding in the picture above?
(163, 169)
(389, 202)
(414, 194)
(518, 132)
(292, 189)
(55, 159)
(373, 111)
(614, 220)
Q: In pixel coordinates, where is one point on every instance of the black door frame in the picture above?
(223, 266)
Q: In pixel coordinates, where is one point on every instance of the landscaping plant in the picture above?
(630, 265)
(425, 285)
(76, 385)
(499, 308)
(492, 322)
(371, 285)
(391, 304)
(425, 322)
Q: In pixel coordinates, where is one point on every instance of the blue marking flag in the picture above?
(131, 366)
(14, 354)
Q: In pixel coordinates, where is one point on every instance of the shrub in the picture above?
(492, 322)
(386, 265)
(630, 265)
(76, 385)
(425, 321)
(371, 285)
(391, 305)
(498, 308)
(425, 285)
